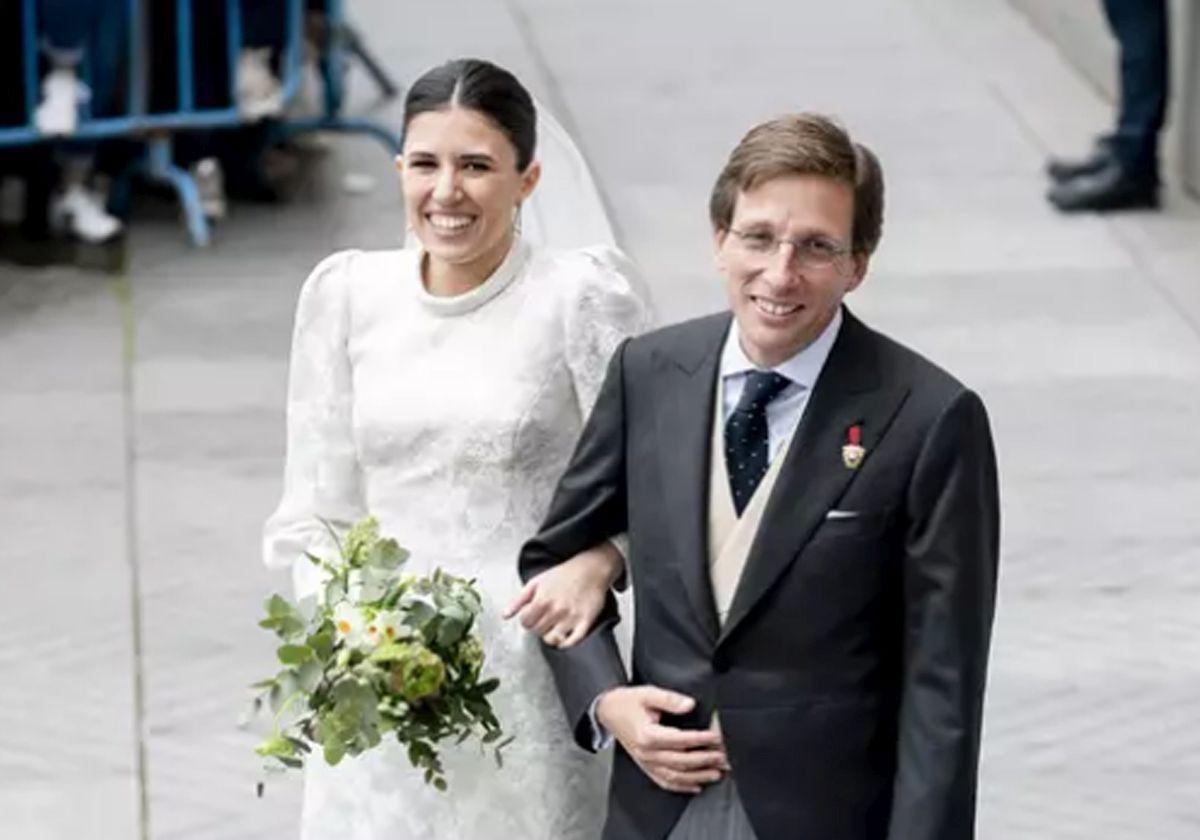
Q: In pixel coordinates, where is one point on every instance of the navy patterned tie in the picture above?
(746, 435)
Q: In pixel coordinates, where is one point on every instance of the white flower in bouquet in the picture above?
(386, 626)
(378, 654)
(348, 621)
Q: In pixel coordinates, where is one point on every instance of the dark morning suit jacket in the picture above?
(849, 674)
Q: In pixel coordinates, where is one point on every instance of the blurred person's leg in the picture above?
(1141, 30)
(264, 31)
(74, 32)
(77, 209)
(1122, 170)
(264, 24)
(211, 51)
(12, 91)
(107, 61)
(39, 174)
(66, 26)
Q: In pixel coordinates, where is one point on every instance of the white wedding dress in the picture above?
(450, 420)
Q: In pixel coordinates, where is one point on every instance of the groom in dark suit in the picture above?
(813, 533)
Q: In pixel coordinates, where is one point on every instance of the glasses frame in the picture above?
(802, 252)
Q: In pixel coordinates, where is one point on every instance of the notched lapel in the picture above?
(683, 415)
(814, 477)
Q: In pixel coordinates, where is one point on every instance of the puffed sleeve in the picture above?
(321, 477)
(608, 307)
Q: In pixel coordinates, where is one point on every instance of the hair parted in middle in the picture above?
(803, 144)
(484, 87)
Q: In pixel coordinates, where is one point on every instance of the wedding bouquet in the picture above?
(377, 653)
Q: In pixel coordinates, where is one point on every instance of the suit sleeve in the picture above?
(588, 507)
(951, 556)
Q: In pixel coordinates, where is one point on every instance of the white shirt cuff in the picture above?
(602, 739)
(621, 543)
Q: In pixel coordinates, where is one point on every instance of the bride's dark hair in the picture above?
(484, 87)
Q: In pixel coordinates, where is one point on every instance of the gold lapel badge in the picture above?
(853, 452)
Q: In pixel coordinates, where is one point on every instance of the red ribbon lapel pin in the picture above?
(853, 451)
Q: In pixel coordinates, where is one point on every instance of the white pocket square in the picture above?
(842, 514)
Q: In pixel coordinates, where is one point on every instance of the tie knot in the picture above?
(761, 388)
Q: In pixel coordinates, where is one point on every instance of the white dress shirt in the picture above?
(783, 413)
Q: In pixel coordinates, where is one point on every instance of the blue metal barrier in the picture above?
(154, 130)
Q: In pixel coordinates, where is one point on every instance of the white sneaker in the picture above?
(79, 211)
(259, 93)
(210, 183)
(62, 94)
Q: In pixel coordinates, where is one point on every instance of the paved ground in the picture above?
(140, 418)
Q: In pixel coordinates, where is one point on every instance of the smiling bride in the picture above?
(442, 389)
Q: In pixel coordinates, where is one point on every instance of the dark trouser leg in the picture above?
(12, 92)
(715, 813)
(1140, 27)
(107, 62)
(264, 23)
(66, 26)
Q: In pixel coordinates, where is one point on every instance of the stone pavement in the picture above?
(141, 416)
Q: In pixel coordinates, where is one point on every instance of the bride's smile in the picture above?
(462, 186)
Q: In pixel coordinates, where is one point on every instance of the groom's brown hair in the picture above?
(803, 144)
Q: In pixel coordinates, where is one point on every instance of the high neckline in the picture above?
(497, 281)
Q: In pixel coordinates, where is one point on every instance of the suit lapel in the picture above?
(849, 391)
(684, 425)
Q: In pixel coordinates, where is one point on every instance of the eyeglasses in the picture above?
(816, 253)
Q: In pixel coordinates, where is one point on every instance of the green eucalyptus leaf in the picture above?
(375, 583)
(450, 630)
(386, 554)
(335, 591)
(334, 752)
(284, 626)
(321, 644)
(309, 675)
(276, 746)
(419, 609)
(295, 654)
(277, 606)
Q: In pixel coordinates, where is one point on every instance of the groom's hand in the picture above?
(678, 760)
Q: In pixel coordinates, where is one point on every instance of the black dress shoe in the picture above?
(1061, 169)
(1112, 187)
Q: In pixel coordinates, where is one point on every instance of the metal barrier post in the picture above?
(160, 167)
(184, 39)
(29, 37)
(233, 43)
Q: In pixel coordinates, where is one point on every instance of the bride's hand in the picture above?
(560, 604)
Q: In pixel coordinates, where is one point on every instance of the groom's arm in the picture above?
(588, 507)
(951, 550)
